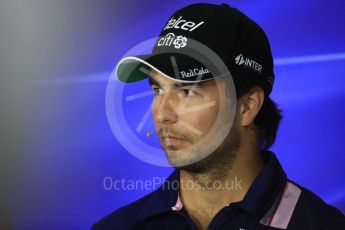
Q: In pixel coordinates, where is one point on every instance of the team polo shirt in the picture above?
(272, 202)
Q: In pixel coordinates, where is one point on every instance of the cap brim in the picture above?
(176, 66)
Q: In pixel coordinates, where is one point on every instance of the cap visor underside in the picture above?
(171, 65)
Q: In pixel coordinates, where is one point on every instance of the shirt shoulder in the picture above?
(125, 217)
(129, 216)
(315, 212)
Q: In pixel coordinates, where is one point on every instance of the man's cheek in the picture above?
(155, 116)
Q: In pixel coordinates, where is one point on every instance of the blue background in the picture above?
(68, 51)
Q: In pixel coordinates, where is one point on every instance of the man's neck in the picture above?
(203, 195)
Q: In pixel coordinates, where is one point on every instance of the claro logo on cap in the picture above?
(248, 63)
(182, 24)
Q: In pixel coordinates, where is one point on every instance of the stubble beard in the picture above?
(217, 164)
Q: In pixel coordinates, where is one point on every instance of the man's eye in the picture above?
(157, 91)
(188, 93)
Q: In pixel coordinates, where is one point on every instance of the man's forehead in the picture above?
(158, 78)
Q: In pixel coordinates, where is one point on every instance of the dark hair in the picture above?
(269, 116)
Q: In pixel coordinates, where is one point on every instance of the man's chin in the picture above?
(184, 161)
(177, 158)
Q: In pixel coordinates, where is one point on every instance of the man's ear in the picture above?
(250, 105)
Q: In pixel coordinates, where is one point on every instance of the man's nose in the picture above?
(165, 110)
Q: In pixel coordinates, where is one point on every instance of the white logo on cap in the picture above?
(187, 25)
(194, 72)
(248, 63)
(170, 39)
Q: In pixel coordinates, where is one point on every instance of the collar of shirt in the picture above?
(259, 198)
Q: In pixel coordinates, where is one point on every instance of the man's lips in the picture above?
(172, 138)
(169, 139)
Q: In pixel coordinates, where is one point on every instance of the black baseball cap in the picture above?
(237, 40)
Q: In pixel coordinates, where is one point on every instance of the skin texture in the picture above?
(184, 115)
(209, 178)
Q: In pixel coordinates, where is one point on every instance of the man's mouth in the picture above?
(171, 140)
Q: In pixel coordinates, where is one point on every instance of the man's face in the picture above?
(184, 114)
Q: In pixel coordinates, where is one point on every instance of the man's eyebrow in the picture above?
(153, 82)
(177, 85)
(195, 84)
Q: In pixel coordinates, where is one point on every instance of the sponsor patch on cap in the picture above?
(248, 63)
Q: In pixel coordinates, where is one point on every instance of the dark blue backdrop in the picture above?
(71, 148)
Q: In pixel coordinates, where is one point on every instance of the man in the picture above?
(233, 184)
